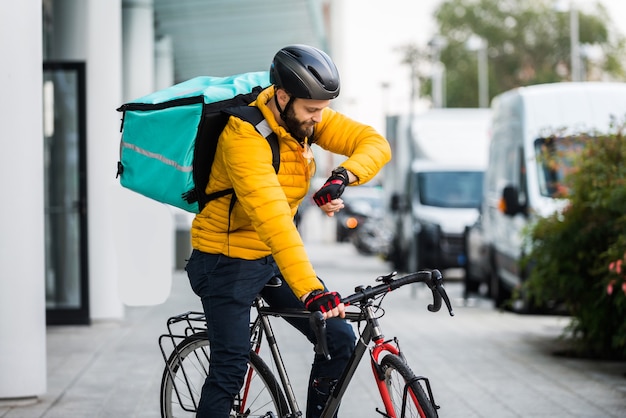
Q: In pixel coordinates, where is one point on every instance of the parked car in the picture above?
(372, 237)
(361, 203)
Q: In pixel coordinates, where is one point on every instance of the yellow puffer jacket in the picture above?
(261, 222)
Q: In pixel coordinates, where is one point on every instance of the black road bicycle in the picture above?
(267, 395)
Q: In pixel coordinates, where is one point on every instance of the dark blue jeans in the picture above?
(227, 287)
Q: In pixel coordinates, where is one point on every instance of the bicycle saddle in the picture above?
(275, 281)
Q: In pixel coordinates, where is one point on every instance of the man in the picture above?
(239, 248)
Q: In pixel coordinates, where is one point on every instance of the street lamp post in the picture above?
(478, 44)
(438, 71)
(574, 42)
(574, 32)
(483, 76)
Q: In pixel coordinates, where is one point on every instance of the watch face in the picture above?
(341, 172)
(314, 293)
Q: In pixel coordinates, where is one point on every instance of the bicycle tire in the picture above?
(187, 368)
(397, 376)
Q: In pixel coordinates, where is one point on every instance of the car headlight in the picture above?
(351, 222)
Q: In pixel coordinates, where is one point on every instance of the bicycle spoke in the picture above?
(186, 372)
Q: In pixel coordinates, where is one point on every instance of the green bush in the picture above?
(578, 255)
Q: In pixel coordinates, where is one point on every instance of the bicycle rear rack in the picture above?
(180, 327)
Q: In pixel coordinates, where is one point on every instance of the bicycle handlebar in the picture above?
(433, 279)
(363, 295)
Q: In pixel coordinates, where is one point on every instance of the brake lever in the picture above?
(318, 324)
(439, 293)
(446, 299)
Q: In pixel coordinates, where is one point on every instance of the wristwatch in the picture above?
(341, 172)
(313, 293)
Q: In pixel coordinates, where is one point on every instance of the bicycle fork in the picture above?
(380, 347)
(393, 347)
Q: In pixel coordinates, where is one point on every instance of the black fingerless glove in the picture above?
(322, 301)
(333, 188)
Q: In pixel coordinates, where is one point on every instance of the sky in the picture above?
(363, 48)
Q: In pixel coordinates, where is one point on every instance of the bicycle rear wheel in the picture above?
(406, 394)
(187, 368)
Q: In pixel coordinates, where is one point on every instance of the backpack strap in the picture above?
(253, 115)
(264, 129)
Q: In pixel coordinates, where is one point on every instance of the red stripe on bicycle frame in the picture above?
(246, 390)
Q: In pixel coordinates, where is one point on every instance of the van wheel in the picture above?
(471, 284)
(496, 289)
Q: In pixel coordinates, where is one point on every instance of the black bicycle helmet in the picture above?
(305, 73)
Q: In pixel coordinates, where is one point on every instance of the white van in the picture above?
(518, 185)
(440, 201)
(434, 183)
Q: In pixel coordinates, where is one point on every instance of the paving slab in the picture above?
(481, 362)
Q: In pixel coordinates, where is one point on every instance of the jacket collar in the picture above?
(261, 102)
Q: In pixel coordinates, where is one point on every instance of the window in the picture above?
(450, 189)
(555, 159)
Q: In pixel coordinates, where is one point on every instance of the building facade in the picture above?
(77, 247)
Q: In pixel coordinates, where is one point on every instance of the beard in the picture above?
(297, 128)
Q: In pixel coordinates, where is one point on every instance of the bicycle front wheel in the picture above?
(407, 397)
(185, 373)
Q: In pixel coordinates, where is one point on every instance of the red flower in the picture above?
(616, 266)
(609, 287)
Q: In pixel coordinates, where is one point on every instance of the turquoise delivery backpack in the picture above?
(169, 137)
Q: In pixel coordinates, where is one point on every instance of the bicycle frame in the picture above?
(385, 367)
(370, 333)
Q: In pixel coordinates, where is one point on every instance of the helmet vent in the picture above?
(316, 74)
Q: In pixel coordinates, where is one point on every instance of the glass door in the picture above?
(65, 203)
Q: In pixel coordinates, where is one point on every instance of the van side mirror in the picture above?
(509, 202)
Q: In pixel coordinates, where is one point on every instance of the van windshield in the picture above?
(450, 189)
(555, 159)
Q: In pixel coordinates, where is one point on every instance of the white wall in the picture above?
(91, 31)
(22, 298)
(144, 229)
(104, 94)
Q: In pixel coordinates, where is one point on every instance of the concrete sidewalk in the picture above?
(481, 363)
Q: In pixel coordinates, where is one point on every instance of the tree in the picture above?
(528, 43)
